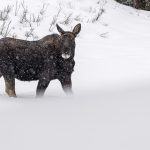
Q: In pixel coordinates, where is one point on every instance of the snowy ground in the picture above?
(110, 109)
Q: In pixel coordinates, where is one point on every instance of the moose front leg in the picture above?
(10, 86)
(66, 84)
(42, 85)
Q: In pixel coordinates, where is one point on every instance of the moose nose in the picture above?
(66, 55)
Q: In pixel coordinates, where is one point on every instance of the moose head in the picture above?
(67, 41)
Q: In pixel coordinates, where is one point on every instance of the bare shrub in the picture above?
(101, 10)
(23, 18)
(78, 18)
(31, 34)
(2, 28)
(30, 19)
(8, 29)
(41, 14)
(17, 8)
(38, 19)
(67, 20)
(54, 20)
(104, 35)
(98, 15)
(43, 9)
(4, 17)
(5, 29)
(4, 14)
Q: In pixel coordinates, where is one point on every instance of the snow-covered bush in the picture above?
(139, 4)
(19, 20)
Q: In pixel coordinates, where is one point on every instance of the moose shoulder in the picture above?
(47, 59)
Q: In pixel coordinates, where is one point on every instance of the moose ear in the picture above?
(60, 30)
(77, 29)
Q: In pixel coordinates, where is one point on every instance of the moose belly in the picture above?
(27, 67)
(26, 75)
(26, 72)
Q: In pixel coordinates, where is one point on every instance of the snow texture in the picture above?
(110, 109)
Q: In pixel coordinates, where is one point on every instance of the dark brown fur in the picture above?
(38, 60)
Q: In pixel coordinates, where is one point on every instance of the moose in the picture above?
(49, 58)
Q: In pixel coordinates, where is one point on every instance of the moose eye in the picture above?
(65, 36)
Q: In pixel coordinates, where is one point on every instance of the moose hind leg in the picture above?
(42, 85)
(10, 87)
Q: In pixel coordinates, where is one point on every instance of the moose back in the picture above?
(44, 60)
